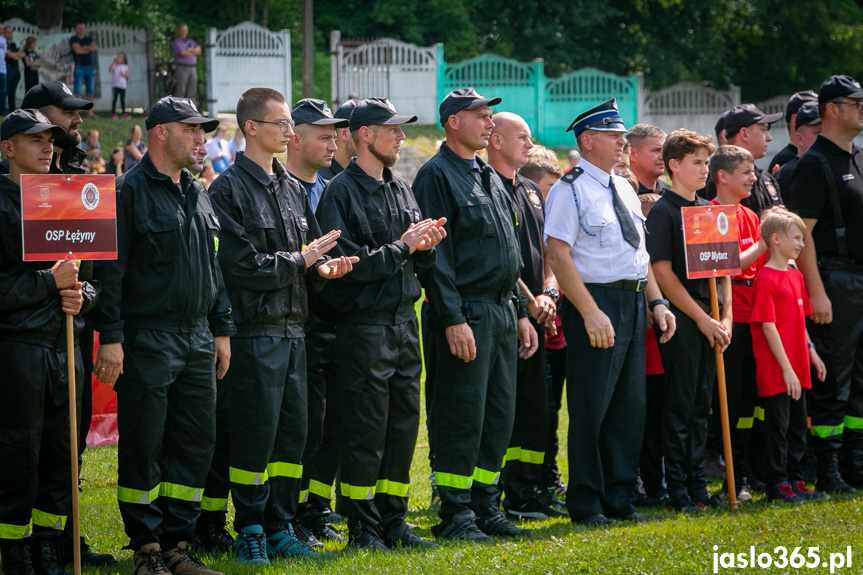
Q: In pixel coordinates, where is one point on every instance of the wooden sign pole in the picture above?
(73, 441)
(723, 404)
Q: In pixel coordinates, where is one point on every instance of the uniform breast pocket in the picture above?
(161, 234)
(213, 228)
(261, 231)
(602, 228)
(475, 216)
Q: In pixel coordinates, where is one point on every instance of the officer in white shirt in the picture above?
(595, 238)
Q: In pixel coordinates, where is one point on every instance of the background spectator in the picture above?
(31, 63)
(218, 151)
(13, 68)
(186, 52)
(135, 148)
(83, 52)
(119, 69)
(116, 162)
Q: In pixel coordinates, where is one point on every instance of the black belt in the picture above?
(747, 283)
(625, 285)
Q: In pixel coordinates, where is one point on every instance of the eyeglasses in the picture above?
(284, 125)
(858, 103)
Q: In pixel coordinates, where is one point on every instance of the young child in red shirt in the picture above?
(784, 352)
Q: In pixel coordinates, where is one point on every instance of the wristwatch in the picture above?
(657, 302)
(553, 293)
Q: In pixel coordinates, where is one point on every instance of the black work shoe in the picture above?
(180, 561)
(367, 539)
(406, 539)
(595, 520)
(213, 538)
(461, 527)
(708, 501)
(647, 501)
(634, 517)
(323, 530)
(799, 488)
(533, 509)
(783, 493)
(829, 478)
(93, 559)
(496, 525)
(16, 557)
(148, 561)
(46, 553)
(304, 536)
(683, 504)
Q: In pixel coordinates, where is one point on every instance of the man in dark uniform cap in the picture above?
(827, 192)
(472, 295)
(790, 151)
(380, 364)
(164, 323)
(748, 127)
(594, 231)
(312, 146)
(806, 130)
(347, 148)
(719, 129)
(34, 395)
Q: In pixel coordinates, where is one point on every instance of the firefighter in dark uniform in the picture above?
(790, 151)
(34, 395)
(477, 318)
(347, 148)
(165, 324)
(595, 236)
(507, 152)
(827, 192)
(377, 329)
(748, 127)
(272, 249)
(806, 130)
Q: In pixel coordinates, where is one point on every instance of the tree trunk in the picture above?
(49, 14)
(252, 11)
(308, 50)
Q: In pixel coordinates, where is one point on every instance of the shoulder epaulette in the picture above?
(572, 175)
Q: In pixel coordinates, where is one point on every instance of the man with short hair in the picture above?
(645, 158)
(84, 50)
(312, 146)
(807, 127)
(827, 192)
(164, 323)
(186, 52)
(347, 149)
(14, 54)
(790, 151)
(34, 394)
(474, 309)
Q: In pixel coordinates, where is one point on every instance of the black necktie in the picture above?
(630, 234)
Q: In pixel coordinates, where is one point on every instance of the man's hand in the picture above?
(316, 248)
(337, 267)
(714, 331)
(109, 363)
(822, 308)
(599, 329)
(461, 342)
(223, 355)
(665, 321)
(434, 236)
(415, 233)
(65, 274)
(71, 300)
(527, 339)
(542, 309)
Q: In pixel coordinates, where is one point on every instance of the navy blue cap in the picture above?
(839, 87)
(377, 112)
(317, 113)
(745, 115)
(344, 111)
(463, 99)
(172, 109)
(602, 118)
(720, 123)
(54, 94)
(798, 100)
(27, 121)
(807, 115)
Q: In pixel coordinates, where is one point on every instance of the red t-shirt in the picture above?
(748, 235)
(780, 297)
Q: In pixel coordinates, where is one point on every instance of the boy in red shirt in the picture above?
(784, 350)
(732, 169)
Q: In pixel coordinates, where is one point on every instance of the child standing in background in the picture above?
(119, 69)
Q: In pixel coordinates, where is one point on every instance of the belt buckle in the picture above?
(640, 285)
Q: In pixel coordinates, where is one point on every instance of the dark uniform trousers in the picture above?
(474, 409)
(429, 352)
(785, 437)
(836, 404)
(522, 469)
(268, 408)
(650, 466)
(166, 402)
(605, 395)
(214, 503)
(555, 377)
(689, 361)
(742, 392)
(378, 373)
(34, 437)
(321, 457)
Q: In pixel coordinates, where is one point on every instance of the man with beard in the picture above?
(377, 329)
(165, 325)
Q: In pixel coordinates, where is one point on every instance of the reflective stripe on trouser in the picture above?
(214, 503)
(378, 375)
(268, 407)
(522, 467)
(605, 390)
(166, 401)
(840, 345)
(474, 409)
(34, 436)
(321, 456)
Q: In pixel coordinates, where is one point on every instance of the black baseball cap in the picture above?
(172, 109)
(807, 115)
(54, 94)
(463, 99)
(720, 123)
(317, 113)
(377, 112)
(798, 100)
(28, 121)
(839, 87)
(344, 111)
(745, 115)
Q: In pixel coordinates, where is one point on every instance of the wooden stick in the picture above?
(73, 441)
(723, 404)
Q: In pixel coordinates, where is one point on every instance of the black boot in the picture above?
(210, 533)
(16, 557)
(829, 478)
(852, 465)
(46, 552)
